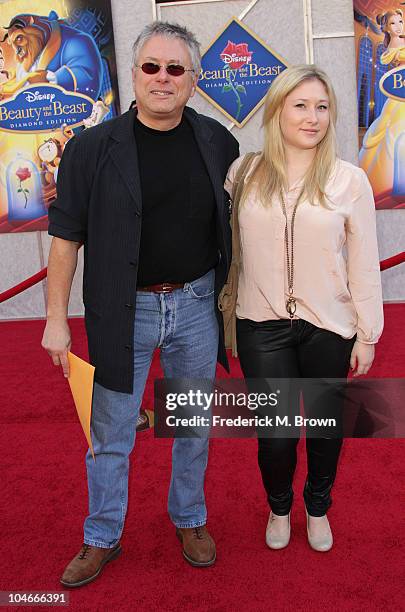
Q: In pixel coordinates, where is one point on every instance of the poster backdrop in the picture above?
(380, 46)
(236, 71)
(57, 77)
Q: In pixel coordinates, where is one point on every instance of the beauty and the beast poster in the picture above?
(380, 55)
(57, 77)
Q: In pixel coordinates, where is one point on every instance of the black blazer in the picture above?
(99, 203)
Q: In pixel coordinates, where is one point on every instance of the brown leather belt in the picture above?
(162, 288)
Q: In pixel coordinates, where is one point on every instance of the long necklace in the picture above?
(291, 303)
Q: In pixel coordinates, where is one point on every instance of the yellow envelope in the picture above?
(81, 385)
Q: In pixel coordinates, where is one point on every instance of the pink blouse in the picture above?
(337, 281)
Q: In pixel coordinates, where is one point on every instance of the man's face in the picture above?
(161, 97)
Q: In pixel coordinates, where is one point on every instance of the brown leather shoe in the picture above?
(198, 545)
(87, 565)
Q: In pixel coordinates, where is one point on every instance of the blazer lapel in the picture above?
(210, 154)
(124, 154)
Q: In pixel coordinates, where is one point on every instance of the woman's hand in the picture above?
(362, 356)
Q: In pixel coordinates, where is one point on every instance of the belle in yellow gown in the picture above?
(378, 150)
(377, 155)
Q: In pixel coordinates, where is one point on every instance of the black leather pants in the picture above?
(277, 349)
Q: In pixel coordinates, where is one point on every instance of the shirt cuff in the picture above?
(51, 77)
(364, 341)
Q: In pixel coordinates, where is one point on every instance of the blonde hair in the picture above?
(269, 175)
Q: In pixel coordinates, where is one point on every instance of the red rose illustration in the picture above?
(23, 174)
(236, 56)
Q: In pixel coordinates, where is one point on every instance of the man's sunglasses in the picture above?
(171, 69)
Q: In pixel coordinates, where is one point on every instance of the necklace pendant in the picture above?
(291, 306)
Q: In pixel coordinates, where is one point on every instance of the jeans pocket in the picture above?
(202, 287)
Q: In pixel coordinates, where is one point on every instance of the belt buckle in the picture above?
(166, 288)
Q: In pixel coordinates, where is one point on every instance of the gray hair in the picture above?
(169, 30)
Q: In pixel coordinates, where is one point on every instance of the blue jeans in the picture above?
(184, 326)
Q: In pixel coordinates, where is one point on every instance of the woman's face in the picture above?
(395, 25)
(305, 117)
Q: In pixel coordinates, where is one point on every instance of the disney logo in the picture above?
(34, 96)
(235, 56)
(228, 59)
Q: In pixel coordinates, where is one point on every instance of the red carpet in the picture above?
(43, 503)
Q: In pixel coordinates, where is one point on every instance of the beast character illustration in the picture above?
(47, 50)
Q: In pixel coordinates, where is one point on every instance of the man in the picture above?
(144, 194)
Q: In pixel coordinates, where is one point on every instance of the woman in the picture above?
(381, 150)
(304, 309)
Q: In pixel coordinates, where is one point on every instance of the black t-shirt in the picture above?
(178, 237)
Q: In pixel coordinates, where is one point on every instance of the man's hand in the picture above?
(362, 356)
(61, 268)
(57, 342)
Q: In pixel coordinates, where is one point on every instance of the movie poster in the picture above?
(58, 76)
(236, 71)
(380, 56)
